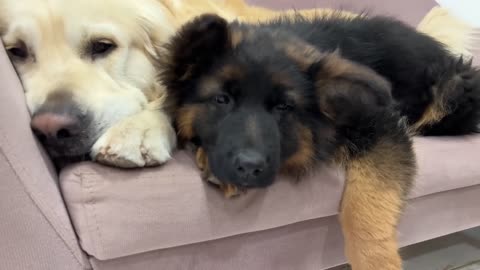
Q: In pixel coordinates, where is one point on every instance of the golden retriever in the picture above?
(88, 70)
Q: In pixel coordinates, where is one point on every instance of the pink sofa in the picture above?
(94, 217)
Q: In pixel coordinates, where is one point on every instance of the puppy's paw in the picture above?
(139, 141)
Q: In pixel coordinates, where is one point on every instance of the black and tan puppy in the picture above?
(284, 96)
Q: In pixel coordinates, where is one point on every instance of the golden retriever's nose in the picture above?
(54, 126)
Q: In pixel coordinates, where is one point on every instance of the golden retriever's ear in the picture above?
(157, 24)
(193, 49)
(3, 22)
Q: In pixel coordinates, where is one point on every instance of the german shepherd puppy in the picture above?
(287, 95)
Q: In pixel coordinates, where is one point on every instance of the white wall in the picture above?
(469, 10)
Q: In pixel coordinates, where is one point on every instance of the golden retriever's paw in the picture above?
(131, 144)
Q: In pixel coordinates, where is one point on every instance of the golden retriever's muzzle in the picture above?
(62, 127)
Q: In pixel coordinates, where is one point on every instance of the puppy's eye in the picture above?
(101, 47)
(284, 107)
(222, 99)
(18, 52)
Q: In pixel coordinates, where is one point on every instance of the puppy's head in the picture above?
(84, 65)
(259, 100)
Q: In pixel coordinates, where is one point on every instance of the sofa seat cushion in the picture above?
(123, 212)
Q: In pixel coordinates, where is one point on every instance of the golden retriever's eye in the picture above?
(18, 52)
(101, 47)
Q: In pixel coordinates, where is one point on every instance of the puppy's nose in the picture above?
(249, 164)
(48, 125)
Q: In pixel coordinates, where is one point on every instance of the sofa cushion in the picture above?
(123, 212)
(309, 245)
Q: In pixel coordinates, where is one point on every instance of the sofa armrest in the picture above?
(35, 228)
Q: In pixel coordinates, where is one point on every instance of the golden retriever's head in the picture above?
(85, 64)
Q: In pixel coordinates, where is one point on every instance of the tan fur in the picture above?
(230, 72)
(282, 80)
(211, 85)
(333, 65)
(374, 194)
(303, 54)
(185, 118)
(201, 159)
(238, 10)
(302, 160)
(237, 36)
(433, 114)
(437, 110)
(336, 66)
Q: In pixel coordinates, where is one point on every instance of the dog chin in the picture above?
(68, 155)
(73, 149)
(61, 162)
(247, 184)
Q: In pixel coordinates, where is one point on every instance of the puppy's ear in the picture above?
(193, 49)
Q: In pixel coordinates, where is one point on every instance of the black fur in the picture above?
(413, 62)
(315, 100)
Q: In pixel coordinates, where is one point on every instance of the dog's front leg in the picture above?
(377, 184)
(144, 139)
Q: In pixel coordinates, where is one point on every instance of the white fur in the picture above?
(460, 37)
(120, 91)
